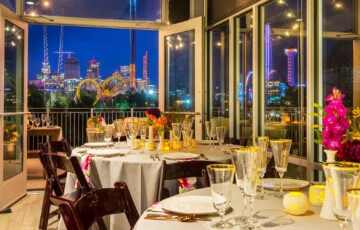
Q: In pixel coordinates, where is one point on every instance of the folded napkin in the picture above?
(85, 162)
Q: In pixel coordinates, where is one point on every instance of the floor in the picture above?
(25, 213)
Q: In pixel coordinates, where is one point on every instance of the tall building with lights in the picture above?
(93, 70)
(290, 53)
(71, 74)
(145, 68)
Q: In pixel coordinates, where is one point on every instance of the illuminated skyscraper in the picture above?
(145, 68)
(93, 70)
(72, 68)
(290, 53)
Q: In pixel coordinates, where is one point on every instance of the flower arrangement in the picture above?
(96, 122)
(355, 125)
(158, 120)
(10, 133)
(349, 151)
(334, 121)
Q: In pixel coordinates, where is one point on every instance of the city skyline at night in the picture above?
(109, 47)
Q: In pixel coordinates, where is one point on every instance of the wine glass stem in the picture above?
(262, 191)
(281, 175)
(251, 219)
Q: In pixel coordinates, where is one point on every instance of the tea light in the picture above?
(317, 194)
(166, 145)
(296, 203)
(193, 143)
(176, 145)
(149, 145)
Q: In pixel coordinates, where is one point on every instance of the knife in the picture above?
(173, 217)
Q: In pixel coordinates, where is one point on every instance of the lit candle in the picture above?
(149, 145)
(166, 145)
(295, 203)
(317, 194)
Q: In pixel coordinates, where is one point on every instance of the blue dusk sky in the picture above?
(110, 47)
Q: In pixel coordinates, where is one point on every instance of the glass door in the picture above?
(13, 46)
(181, 70)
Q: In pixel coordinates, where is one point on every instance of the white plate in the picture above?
(97, 144)
(181, 156)
(189, 205)
(105, 152)
(288, 184)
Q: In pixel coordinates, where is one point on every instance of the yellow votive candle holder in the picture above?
(317, 194)
(176, 145)
(295, 203)
(166, 145)
(149, 145)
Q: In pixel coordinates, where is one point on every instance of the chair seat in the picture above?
(70, 197)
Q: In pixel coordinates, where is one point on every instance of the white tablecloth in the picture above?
(310, 220)
(138, 170)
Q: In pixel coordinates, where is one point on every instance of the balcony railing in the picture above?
(73, 121)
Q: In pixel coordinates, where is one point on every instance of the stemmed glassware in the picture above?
(107, 136)
(118, 124)
(220, 135)
(221, 177)
(32, 119)
(245, 159)
(48, 121)
(37, 122)
(281, 150)
(213, 130)
(262, 142)
(131, 133)
(187, 139)
(142, 130)
(208, 133)
(354, 198)
(177, 135)
(342, 176)
(43, 119)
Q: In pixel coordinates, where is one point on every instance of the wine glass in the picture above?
(213, 130)
(107, 136)
(131, 133)
(177, 135)
(221, 177)
(220, 135)
(187, 139)
(43, 119)
(48, 121)
(187, 124)
(208, 132)
(341, 177)
(281, 150)
(32, 119)
(37, 122)
(118, 124)
(142, 130)
(262, 142)
(354, 208)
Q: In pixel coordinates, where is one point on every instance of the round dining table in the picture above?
(139, 171)
(309, 220)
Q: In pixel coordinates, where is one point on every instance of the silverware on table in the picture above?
(184, 218)
(203, 156)
(152, 156)
(157, 156)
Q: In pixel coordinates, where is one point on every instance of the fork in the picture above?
(157, 156)
(152, 157)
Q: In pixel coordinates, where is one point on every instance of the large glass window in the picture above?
(244, 78)
(179, 72)
(284, 46)
(219, 75)
(145, 10)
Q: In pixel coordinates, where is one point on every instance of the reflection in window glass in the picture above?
(219, 75)
(11, 4)
(285, 76)
(179, 72)
(244, 78)
(146, 10)
(340, 53)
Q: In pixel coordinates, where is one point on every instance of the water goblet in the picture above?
(130, 139)
(245, 159)
(187, 124)
(342, 176)
(220, 135)
(32, 119)
(37, 122)
(281, 150)
(221, 177)
(177, 135)
(43, 119)
(213, 123)
(107, 136)
(262, 142)
(187, 139)
(142, 130)
(118, 124)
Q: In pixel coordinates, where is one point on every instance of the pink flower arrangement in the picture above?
(334, 121)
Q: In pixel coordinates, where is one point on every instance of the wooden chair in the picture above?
(61, 146)
(179, 170)
(97, 204)
(54, 190)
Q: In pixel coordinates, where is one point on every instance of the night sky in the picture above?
(110, 47)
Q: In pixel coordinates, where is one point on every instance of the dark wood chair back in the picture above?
(179, 170)
(97, 204)
(60, 146)
(54, 190)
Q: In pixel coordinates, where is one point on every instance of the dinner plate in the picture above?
(288, 184)
(189, 205)
(97, 144)
(105, 152)
(181, 156)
